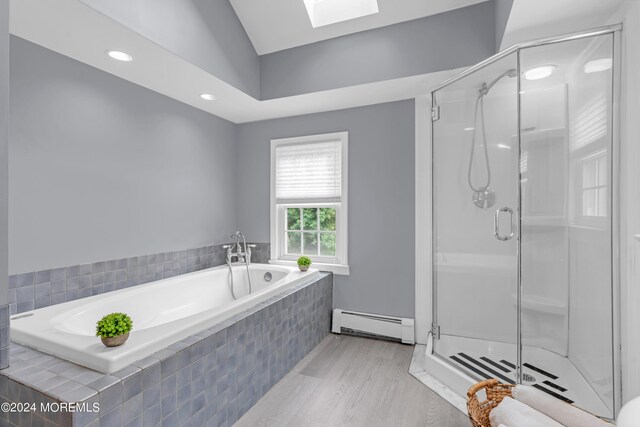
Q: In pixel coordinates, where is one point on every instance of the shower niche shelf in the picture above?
(551, 135)
(544, 221)
(541, 304)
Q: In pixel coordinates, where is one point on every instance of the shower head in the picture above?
(486, 87)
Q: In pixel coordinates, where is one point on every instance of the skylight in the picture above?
(326, 12)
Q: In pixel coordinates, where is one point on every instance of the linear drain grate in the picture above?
(485, 368)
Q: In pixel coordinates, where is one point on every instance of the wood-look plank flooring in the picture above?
(352, 381)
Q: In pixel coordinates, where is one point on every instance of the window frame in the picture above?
(338, 264)
(282, 220)
(594, 220)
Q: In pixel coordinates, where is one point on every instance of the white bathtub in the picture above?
(163, 312)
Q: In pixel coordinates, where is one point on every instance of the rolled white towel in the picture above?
(560, 411)
(512, 413)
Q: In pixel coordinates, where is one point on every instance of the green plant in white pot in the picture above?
(303, 263)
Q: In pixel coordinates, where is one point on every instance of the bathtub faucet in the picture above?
(240, 256)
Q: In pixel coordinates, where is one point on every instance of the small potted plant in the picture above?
(113, 329)
(303, 263)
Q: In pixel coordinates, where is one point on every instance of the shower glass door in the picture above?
(476, 221)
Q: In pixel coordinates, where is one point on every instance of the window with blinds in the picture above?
(311, 171)
(308, 200)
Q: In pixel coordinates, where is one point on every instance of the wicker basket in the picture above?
(479, 411)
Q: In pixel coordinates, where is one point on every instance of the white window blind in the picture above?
(310, 171)
(590, 123)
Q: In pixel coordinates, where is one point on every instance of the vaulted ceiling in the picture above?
(282, 24)
(262, 59)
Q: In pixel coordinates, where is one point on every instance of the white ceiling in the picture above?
(274, 25)
(75, 30)
(534, 19)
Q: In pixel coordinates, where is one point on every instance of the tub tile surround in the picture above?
(37, 289)
(4, 336)
(210, 378)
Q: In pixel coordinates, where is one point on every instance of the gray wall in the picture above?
(4, 135)
(381, 198)
(458, 38)
(209, 34)
(502, 12)
(205, 32)
(101, 168)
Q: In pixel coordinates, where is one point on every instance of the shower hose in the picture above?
(479, 106)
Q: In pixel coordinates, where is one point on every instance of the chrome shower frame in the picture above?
(615, 196)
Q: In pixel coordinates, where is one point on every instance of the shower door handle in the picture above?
(496, 224)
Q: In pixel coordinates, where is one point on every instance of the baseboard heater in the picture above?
(353, 322)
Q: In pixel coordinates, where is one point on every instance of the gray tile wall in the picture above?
(261, 253)
(4, 336)
(209, 379)
(28, 291)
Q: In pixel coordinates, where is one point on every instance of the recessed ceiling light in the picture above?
(598, 65)
(467, 129)
(208, 97)
(539, 72)
(325, 12)
(120, 56)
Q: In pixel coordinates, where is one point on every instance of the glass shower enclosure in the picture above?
(523, 219)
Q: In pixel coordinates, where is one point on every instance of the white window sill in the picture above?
(339, 269)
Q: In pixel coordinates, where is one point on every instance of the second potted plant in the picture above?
(113, 329)
(303, 263)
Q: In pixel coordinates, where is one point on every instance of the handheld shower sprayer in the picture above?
(241, 256)
(483, 196)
